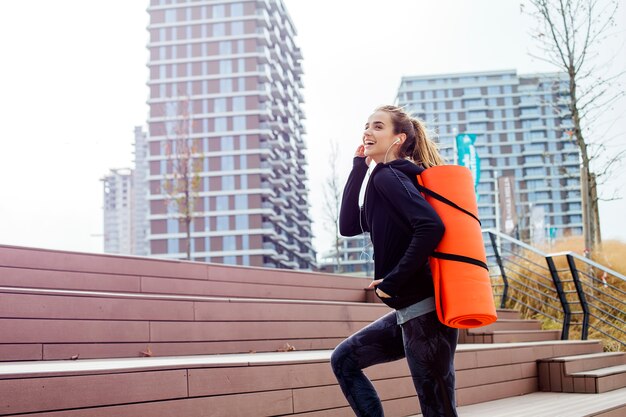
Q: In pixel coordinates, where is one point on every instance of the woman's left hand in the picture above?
(380, 293)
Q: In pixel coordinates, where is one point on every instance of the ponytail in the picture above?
(426, 152)
(418, 147)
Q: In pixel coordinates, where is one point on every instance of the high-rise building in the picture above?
(140, 194)
(118, 211)
(522, 130)
(355, 256)
(126, 204)
(225, 82)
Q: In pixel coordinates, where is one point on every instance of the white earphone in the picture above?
(397, 141)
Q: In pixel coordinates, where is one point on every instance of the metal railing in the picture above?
(564, 290)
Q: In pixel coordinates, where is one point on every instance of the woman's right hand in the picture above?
(360, 152)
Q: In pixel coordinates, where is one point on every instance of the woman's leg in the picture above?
(379, 342)
(429, 347)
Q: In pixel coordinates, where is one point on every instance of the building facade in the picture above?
(522, 131)
(355, 257)
(118, 211)
(126, 204)
(140, 224)
(225, 78)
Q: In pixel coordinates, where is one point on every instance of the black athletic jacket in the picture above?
(404, 228)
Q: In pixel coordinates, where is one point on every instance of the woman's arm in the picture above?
(349, 222)
(427, 228)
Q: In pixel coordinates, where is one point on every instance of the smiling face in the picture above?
(379, 138)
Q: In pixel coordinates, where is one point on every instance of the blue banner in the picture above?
(467, 155)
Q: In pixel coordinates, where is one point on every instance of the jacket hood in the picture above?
(407, 167)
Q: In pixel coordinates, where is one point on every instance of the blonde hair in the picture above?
(418, 146)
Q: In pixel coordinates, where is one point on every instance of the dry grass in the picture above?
(531, 272)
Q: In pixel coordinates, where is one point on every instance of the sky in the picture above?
(73, 87)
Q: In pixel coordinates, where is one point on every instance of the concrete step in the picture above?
(591, 373)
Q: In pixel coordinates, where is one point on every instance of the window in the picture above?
(230, 243)
(219, 29)
(226, 66)
(227, 143)
(170, 15)
(239, 103)
(221, 203)
(241, 202)
(226, 85)
(220, 124)
(218, 11)
(239, 123)
(243, 162)
(228, 163)
(219, 105)
(236, 9)
(228, 182)
(241, 222)
(172, 225)
(222, 222)
(236, 28)
(225, 48)
(172, 245)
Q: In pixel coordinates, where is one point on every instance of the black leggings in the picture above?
(429, 348)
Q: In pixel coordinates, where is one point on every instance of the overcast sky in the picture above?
(73, 86)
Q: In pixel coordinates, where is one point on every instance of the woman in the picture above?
(380, 197)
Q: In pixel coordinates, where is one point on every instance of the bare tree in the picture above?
(332, 200)
(182, 180)
(569, 33)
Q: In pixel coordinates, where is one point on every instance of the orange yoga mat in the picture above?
(463, 292)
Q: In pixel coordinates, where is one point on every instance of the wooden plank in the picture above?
(126, 350)
(67, 307)
(484, 376)
(20, 352)
(263, 311)
(284, 277)
(252, 290)
(11, 256)
(224, 331)
(330, 396)
(79, 331)
(46, 394)
(220, 381)
(67, 280)
(482, 393)
(261, 404)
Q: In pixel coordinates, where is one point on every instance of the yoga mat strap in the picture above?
(444, 200)
(459, 258)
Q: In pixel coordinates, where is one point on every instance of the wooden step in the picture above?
(507, 313)
(263, 384)
(508, 324)
(56, 324)
(509, 336)
(592, 373)
(544, 404)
